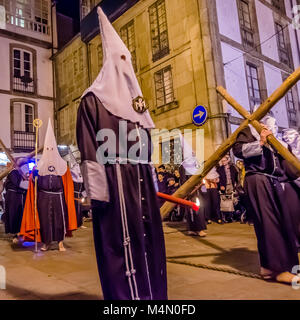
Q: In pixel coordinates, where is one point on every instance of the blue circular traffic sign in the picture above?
(199, 115)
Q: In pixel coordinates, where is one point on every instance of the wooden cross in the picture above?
(252, 119)
(5, 172)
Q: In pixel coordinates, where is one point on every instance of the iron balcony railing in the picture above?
(24, 140)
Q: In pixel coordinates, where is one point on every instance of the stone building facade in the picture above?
(170, 44)
(27, 35)
(182, 49)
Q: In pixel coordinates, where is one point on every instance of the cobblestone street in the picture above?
(230, 248)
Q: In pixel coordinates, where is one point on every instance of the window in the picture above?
(86, 7)
(63, 121)
(159, 30)
(290, 106)
(23, 71)
(245, 23)
(279, 5)
(23, 131)
(164, 86)
(100, 56)
(281, 43)
(253, 86)
(28, 14)
(128, 37)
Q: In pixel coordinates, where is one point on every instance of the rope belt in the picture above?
(130, 270)
(51, 192)
(15, 191)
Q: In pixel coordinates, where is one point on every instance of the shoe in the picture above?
(83, 227)
(202, 234)
(193, 233)
(209, 222)
(45, 247)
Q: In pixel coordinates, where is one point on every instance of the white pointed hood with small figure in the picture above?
(51, 163)
(116, 85)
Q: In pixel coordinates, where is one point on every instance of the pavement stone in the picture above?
(73, 274)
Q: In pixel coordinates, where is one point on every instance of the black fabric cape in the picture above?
(140, 272)
(270, 208)
(14, 202)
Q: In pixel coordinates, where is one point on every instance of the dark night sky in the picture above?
(69, 8)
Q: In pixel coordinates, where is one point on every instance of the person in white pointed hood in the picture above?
(56, 216)
(114, 141)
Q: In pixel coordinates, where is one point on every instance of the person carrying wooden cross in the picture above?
(266, 174)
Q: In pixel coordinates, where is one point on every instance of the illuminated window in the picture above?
(282, 45)
(253, 85)
(159, 30)
(86, 7)
(291, 107)
(23, 131)
(28, 14)
(23, 71)
(245, 23)
(164, 86)
(128, 36)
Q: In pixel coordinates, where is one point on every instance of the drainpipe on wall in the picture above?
(53, 7)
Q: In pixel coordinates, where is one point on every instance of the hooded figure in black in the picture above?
(16, 185)
(266, 174)
(115, 146)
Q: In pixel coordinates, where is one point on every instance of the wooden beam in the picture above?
(212, 161)
(284, 152)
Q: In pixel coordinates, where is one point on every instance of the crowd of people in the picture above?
(220, 195)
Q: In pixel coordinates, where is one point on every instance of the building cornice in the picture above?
(25, 39)
(256, 54)
(24, 95)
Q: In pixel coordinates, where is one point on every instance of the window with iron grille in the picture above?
(164, 86)
(245, 23)
(279, 5)
(290, 106)
(253, 85)
(23, 71)
(282, 45)
(100, 56)
(28, 14)
(128, 37)
(159, 30)
(23, 131)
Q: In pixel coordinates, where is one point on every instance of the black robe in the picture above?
(127, 226)
(266, 172)
(15, 197)
(78, 189)
(196, 220)
(52, 208)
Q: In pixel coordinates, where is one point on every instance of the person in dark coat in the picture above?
(292, 188)
(162, 186)
(212, 197)
(266, 171)
(196, 222)
(114, 141)
(16, 185)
